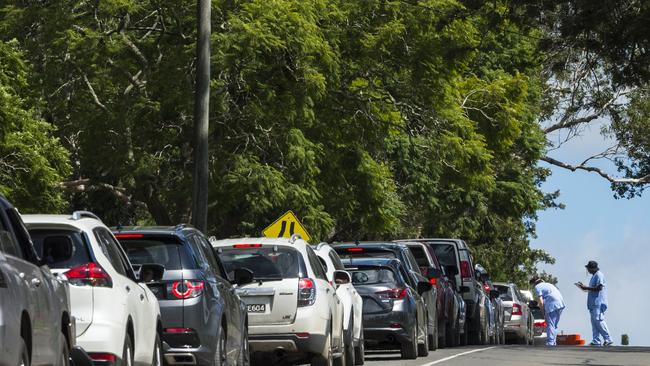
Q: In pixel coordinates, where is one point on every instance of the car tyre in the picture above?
(24, 354)
(127, 351)
(64, 355)
(360, 349)
(442, 335)
(220, 351)
(423, 349)
(409, 349)
(157, 359)
(348, 348)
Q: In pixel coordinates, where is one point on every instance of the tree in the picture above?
(32, 162)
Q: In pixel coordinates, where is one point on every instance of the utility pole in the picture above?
(201, 115)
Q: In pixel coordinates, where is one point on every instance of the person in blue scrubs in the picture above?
(597, 304)
(551, 301)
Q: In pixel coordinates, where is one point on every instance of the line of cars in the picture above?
(75, 291)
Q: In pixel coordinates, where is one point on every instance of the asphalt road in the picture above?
(519, 356)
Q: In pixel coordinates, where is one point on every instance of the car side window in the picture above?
(338, 265)
(407, 276)
(209, 254)
(412, 262)
(197, 251)
(7, 243)
(110, 250)
(316, 265)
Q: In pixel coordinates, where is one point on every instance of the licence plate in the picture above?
(256, 308)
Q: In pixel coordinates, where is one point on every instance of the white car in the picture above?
(352, 305)
(294, 314)
(118, 319)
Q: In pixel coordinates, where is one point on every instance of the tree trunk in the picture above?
(201, 114)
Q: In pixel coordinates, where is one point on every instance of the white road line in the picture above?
(458, 355)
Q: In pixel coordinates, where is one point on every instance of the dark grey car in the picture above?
(199, 307)
(394, 312)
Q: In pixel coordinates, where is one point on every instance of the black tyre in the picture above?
(423, 349)
(474, 336)
(450, 335)
(348, 347)
(244, 352)
(433, 339)
(464, 337)
(360, 350)
(24, 354)
(220, 353)
(157, 359)
(442, 335)
(409, 348)
(127, 352)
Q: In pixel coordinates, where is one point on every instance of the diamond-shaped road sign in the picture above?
(285, 226)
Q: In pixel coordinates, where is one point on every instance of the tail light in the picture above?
(516, 309)
(186, 289)
(306, 292)
(541, 324)
(464, 270)
(487, 289)
(129, 236)
(355, 250)
(433, 281)
(103, 357)
(392, 294)
(179, 330)
(89, 274)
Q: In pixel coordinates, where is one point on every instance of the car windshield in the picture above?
(504, 292)
(80, 253)
(165, 251)
(267, 262)
(373, 276)
(446, 254)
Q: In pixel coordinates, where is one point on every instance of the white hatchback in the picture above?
(294, 313)
(352, 305)
(118, 318)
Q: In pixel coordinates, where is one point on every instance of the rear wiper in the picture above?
(266, 279)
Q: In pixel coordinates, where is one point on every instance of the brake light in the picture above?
(105, 357)
(129, 236)
(187, 289)
(179, 330)
(306, 292)
(302, 335)
(487, 289)
(541, 324)
(355, 250)
(516, 309)
(89, 274)
(433, 281)
(395, 325)
(392, 294)
(464, 270)
(244, 246)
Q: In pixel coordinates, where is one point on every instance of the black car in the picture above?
(404, 254)
(201, 314)
(393, 308)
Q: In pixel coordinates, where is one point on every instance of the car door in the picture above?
(325, 289)
(41, 304)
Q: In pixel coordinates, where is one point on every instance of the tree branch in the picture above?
(93, 94)
(610, 178)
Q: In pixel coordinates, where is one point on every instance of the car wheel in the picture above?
(326, 359)
(244, 352)
(64, 354)
(442, 335)
(220, 349)
(127, 351)
(348, 347)
(450, 334)
(157, 359)
(409, 348)
(423, 349)
(360, 350)
(24, 354)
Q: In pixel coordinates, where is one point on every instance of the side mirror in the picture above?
(424, 287)
(242, 276)
(434, 273)
(56, 249)
(494, 294)
(464, 289)
(342, 277)
(150, 272)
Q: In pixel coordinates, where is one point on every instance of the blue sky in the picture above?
(595, 225)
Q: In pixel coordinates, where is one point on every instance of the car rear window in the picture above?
(265, 261)
(356, 252)
(373, 276)
(80, 253)
(504, 292)
(166, 250)
(446, 254)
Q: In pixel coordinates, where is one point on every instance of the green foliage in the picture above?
(32, 162)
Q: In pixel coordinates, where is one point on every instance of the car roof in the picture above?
(371, 244)
(154, 230)
(68, 221)
(294, 241)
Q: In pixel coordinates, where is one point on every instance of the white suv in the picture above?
(352, 306)
(118, 319)
(294, 313)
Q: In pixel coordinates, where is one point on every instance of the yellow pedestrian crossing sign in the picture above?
(287, 225)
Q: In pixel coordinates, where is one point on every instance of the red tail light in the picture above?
(89, 274)
(105, 357)
(306, 292)
(541, 324)
(355, 250)
(302, 335)
(392, 294)
(187, 289)
(464, 270)
(129, 236)
(433, 281)
(244, 246)
(487, 289)
(516, 309)
(179, 330)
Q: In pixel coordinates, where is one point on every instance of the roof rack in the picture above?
(78, 215)
(294, 237)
